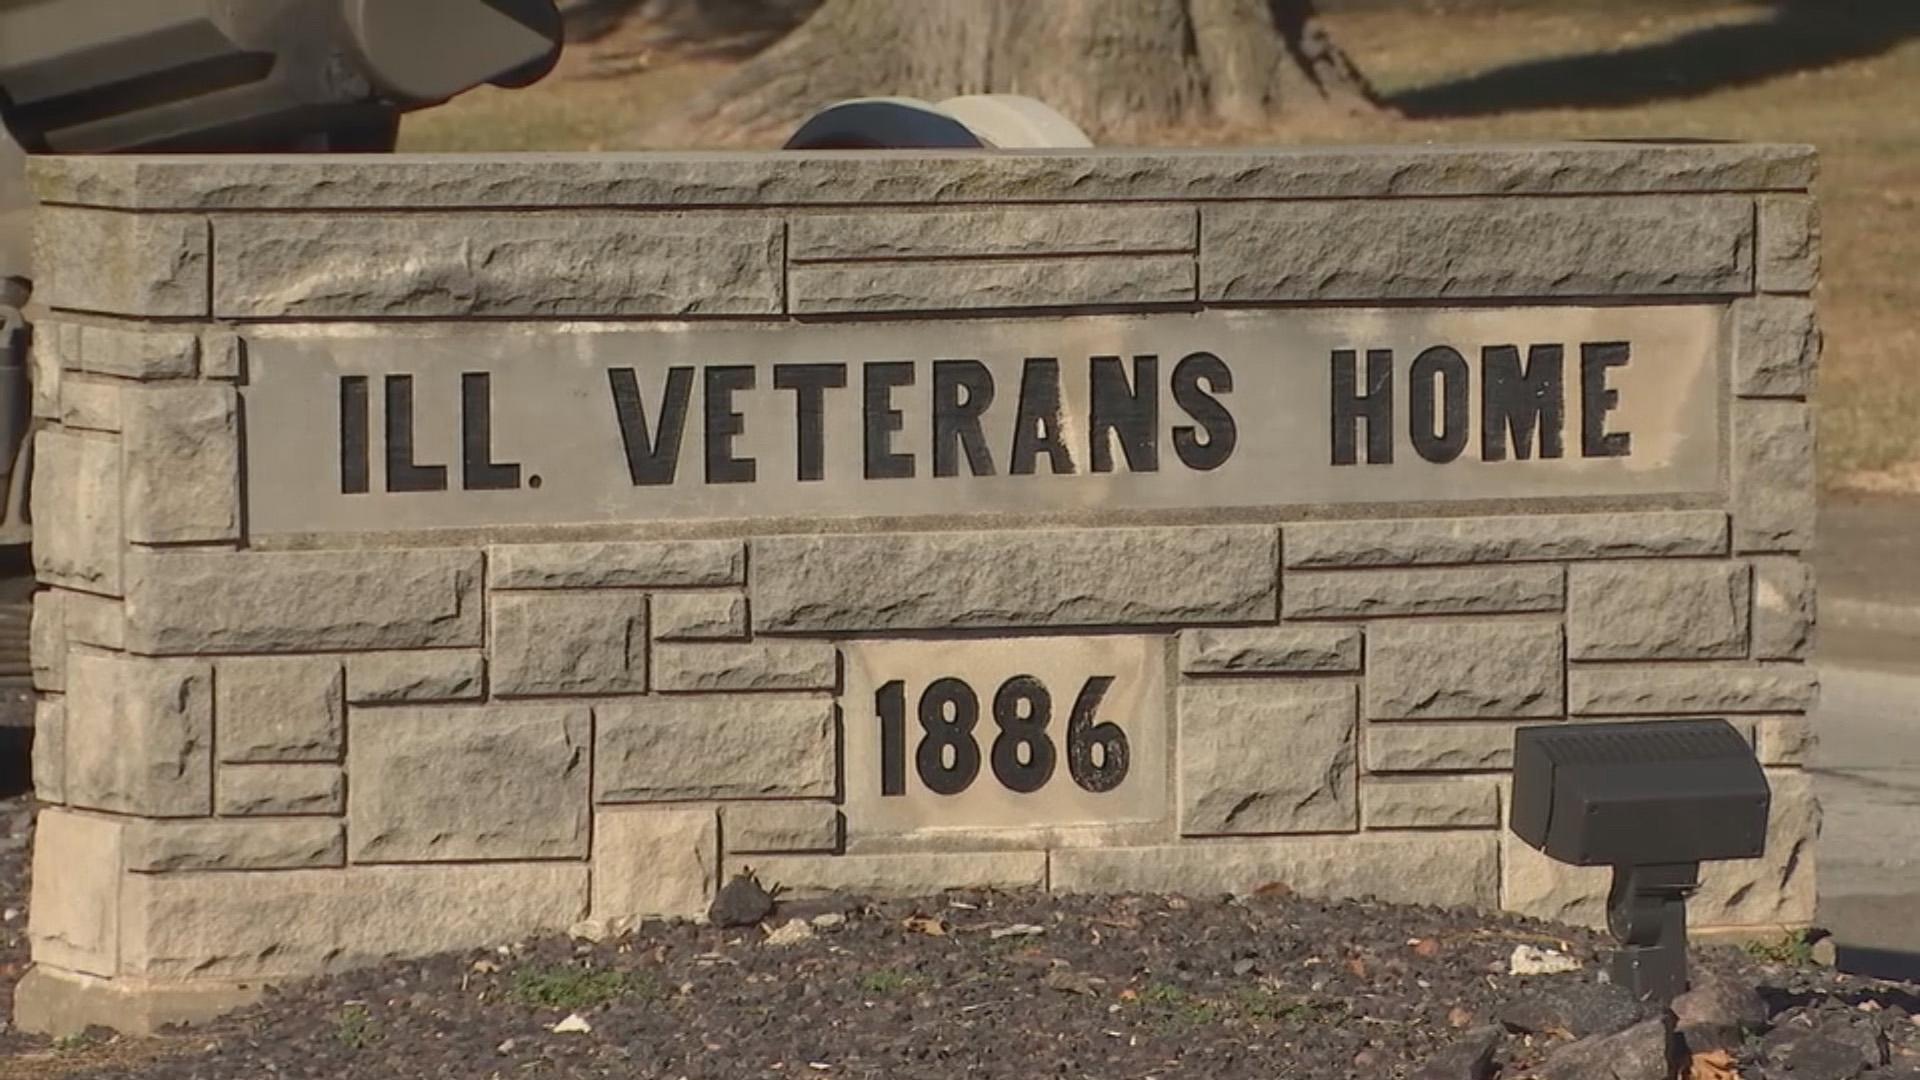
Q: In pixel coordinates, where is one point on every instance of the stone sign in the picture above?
(437, 551)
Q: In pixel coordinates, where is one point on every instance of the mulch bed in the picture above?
(966, 984)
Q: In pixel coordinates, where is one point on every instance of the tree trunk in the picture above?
(1114, 68)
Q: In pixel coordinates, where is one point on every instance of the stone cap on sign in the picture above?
(725, 179)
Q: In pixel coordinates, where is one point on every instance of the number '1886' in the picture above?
(1022, 756)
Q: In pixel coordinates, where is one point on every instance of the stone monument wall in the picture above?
(442, 550)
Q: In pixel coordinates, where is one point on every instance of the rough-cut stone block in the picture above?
(1411, 868)
(1789, 259)
(50, 750)
(296, 601)
(1784, 740)
(297, 923)
(1267, 757)
(782, 825)
(655, 862)
(169, 846)
(182, 462)
(1464, 671)
(76, 892)
(896, 875)
(132, 351)
(1270, 650)
(569, 644)
(660, 564)
(1467, 803)
(1534, 885)
(89, 405)
(100, 621)
(139, 736)
(435, 266)
(999, 230)
(395, 678)
(756, 665)
(127, 264)
(715, 748)
(981, 284)
(1413, 249)
(1783, 609)
(1431, 747)
(1533, 538)
(1347, 594)
(43, 364)
(1779, 886)
(1773, 476)
(47, 639)
(1776, 347)
(77, 535)
(230, 182)
(280, 791)
(1090, 577)
(1659, 689)
(275, 709)
(699, 616)
(476, 782)
(223, 355)
(1670, 610)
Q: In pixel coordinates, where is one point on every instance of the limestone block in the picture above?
(915, 874)
(982, 284)
(1465, 803)
(1669, 610)
(1443, 869)
(223, 355)
(1656, 689)
(279, 790)
(1776, 347)
(569, 644)
(1417, 249)
(1532, 537)
(715, 748)
(296, 923)
(1464, 670)
(140, 735)
(394, 678)
(998, 230)
(699, 616)
(494, 265)
(127, 264)
(1270, 650)
(664, 564)
(756, 665)
(169, 846)
(1779, 886)
(132, 351)
(75, 903)
(43, 362)
(275, 709)
(1789, 244)
(471, 782)
(298, 601)
(77, 535)
(89, 404)
(1784, 740)
(1773, 476)
(182, 462)
(1439, 747)
(1057, 577)
(1345, 594)
(50, 750)
(1267, 757)
(655, 862)
(47, 639)
(1532, 884)
(780, 825)
(1783, 609)
(99, 621)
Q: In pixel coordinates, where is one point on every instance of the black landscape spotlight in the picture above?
(1653, 800)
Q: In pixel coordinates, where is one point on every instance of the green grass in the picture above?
(889, 981)
(353, 1027)
(568, 987)
(1794, 948)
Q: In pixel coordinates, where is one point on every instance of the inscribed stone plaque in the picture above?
(363, 428)
(1007, 733)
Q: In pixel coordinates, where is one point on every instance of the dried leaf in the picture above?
(1426, 947)
(925, 924)
(1712, 1065)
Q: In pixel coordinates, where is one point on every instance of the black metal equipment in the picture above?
(1653, 800)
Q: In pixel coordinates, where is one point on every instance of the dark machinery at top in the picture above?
(222, 76)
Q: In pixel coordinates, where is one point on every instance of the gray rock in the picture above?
(151, 264)
(1259, 757)
(1655, 690)
(1717, 1013)
(1469, 1059)
(1831, 1048)
(1348, 594)
(1574, 1007)
(720, 747)
(182, 463)
(77, 528)
(1773, 476)
(569, 643)
(1644, 1051)
(1776, 346)
(1789, 259)
(1431, 671)
(747, 665)
(611, 565)
(1657, 610)
(742, 901)
(1269, 650)
(1783, 609)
